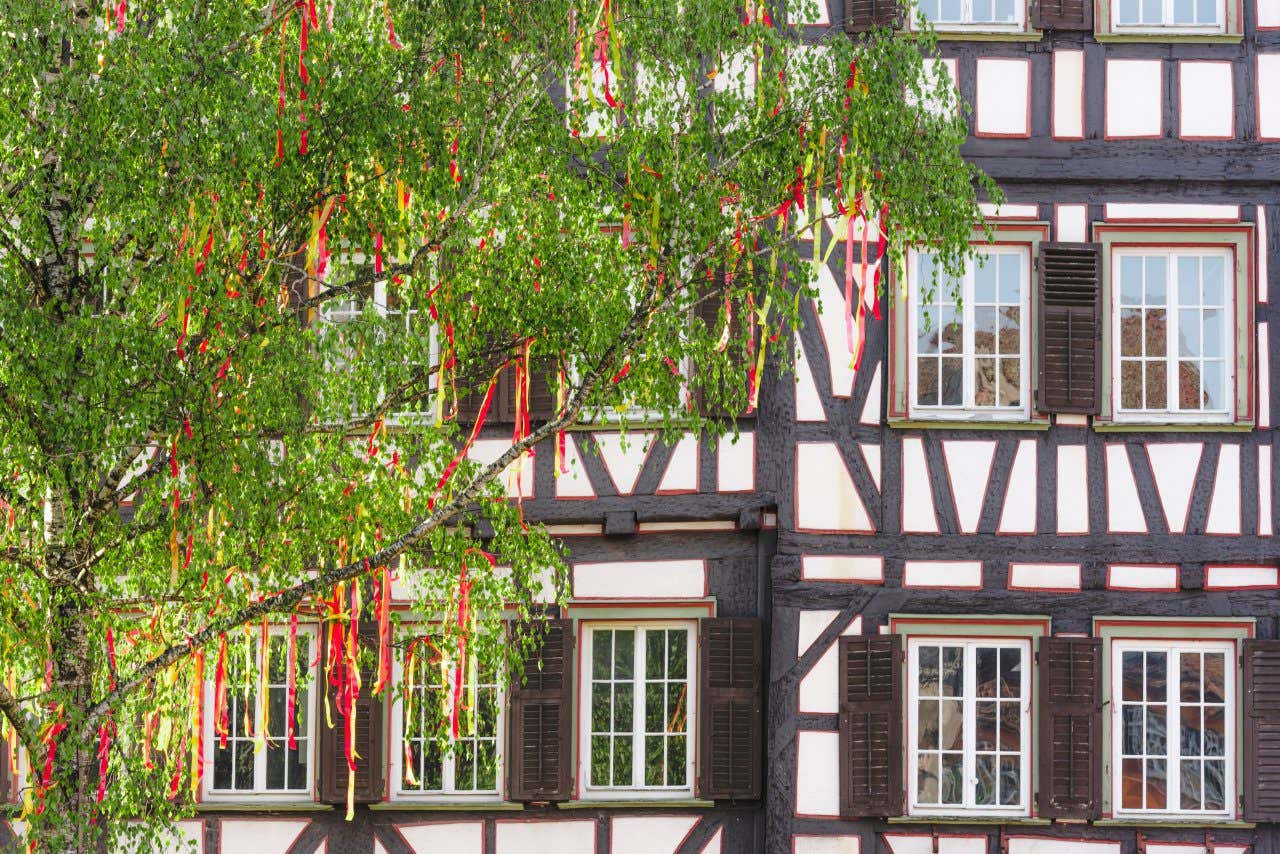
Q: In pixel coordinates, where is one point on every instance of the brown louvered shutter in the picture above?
(871, 710)
(370, 730)
(542, 398)
(1261, 693)
(1062, 15)
(540, 721)
(730, 709)
(1069, 296)
(1070, 715)
(863, 15)
(476, 377)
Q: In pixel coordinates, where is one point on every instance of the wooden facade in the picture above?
(841, 524)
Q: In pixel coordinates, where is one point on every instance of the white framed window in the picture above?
(1192, 15)
(636, 721)
(975, 14)
(969, 726)
(1173, 728)
(1173, 330)
(469, 767)
(969, 359)
(255, 757)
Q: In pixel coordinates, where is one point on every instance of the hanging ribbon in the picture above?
(104, 755)
(291, 685)
(464, 606)
(220, 693)
(475, 431)
(197, 724)
(881, 243)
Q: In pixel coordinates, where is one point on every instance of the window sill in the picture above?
(944, 424)
(1174, 822)
(977, 35)
(446, 806)
(1167, 427)
(1025, 821)
(650, 803)
(262, 805)
(1170, 37)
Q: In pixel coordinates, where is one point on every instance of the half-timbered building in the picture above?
(1010, 586)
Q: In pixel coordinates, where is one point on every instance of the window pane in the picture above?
(487, 766)
(985, 725)
(951, 325)
(654, 706)
(624, 652)
(655, 761)
(1010, 382)
(1215, 786)
(1010, 326)
(1215, 386)
(1157, 729)
(1010, 726)
(677, 708)
(927, 778)
(927, 381)
(1189, 743)
(952, 671)
(1152, 13)
(1191, 770)
(1189, 385)
(622, 760)
(987, 784)
(981, 10)
(1010, 781)
(1188, 280)
(601, 654)
(952, 778)
(986, 665)
(1131, 385)
(927, 335)
(952, 382)
(600, 760)
(1157, 385)
(951, 10)
(1010, 672)
(1213, 332)
(1131, 665)
(601, 702)
(1131, 785)
(1215, 732)
(655, 654)
(984, 330)
(986, 269)
(1213, 269)
(1189, 666)
(1005, 11)
(929, 671)
(296, 767)
(951, 725)
(1214, 691)
(244, 764)
(1207, 11)
(1130, 280)
(677, 653)
(927, 737)
(1156, 786)
(1128, 11)
(275, 765)
(1189, 332)
(622, 705)
(1130, 332)
(1157, 273)
(1132, 716)
(1010, 265)
(1157, 336)
(677, 764)
(984, 382)
(222, 766)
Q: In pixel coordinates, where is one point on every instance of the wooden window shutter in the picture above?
(1070, 721)
(1069, 300)
(730, 709)
(370, 730)
(477, 378)
(871, 709)
(1261, 753)
(863, 15)
(542, 395)
(540, 721)
(1063, 15)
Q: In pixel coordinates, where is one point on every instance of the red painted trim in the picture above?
(1182, 64)
(1106, 80)
(1053, 94)
(1122, 622)
(719, 447)
(795, 498)
(1272, 586)
(1257, 97)
(977, 119)
(1040, 589)
(817, 580)
(1176, 579)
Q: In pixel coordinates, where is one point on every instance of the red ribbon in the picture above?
(220, 692)
(475, 431)
(291, 684)
(464, 607)
(104, 754)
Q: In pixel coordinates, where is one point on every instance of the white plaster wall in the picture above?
(659, 834)
(1068, 94)
(456, 837)
(1134, 104)
(562, 837)
(641, 579)
(817, 773)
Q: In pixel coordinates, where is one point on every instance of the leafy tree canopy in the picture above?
(193, 194)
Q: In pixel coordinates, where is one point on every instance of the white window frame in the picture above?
(1167, 25)
(637, 790)
(1173, 780)
(449, 792)
(967, 411)
(1019, 23)
(1229, 335)
(970, 643)
(260, 793)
